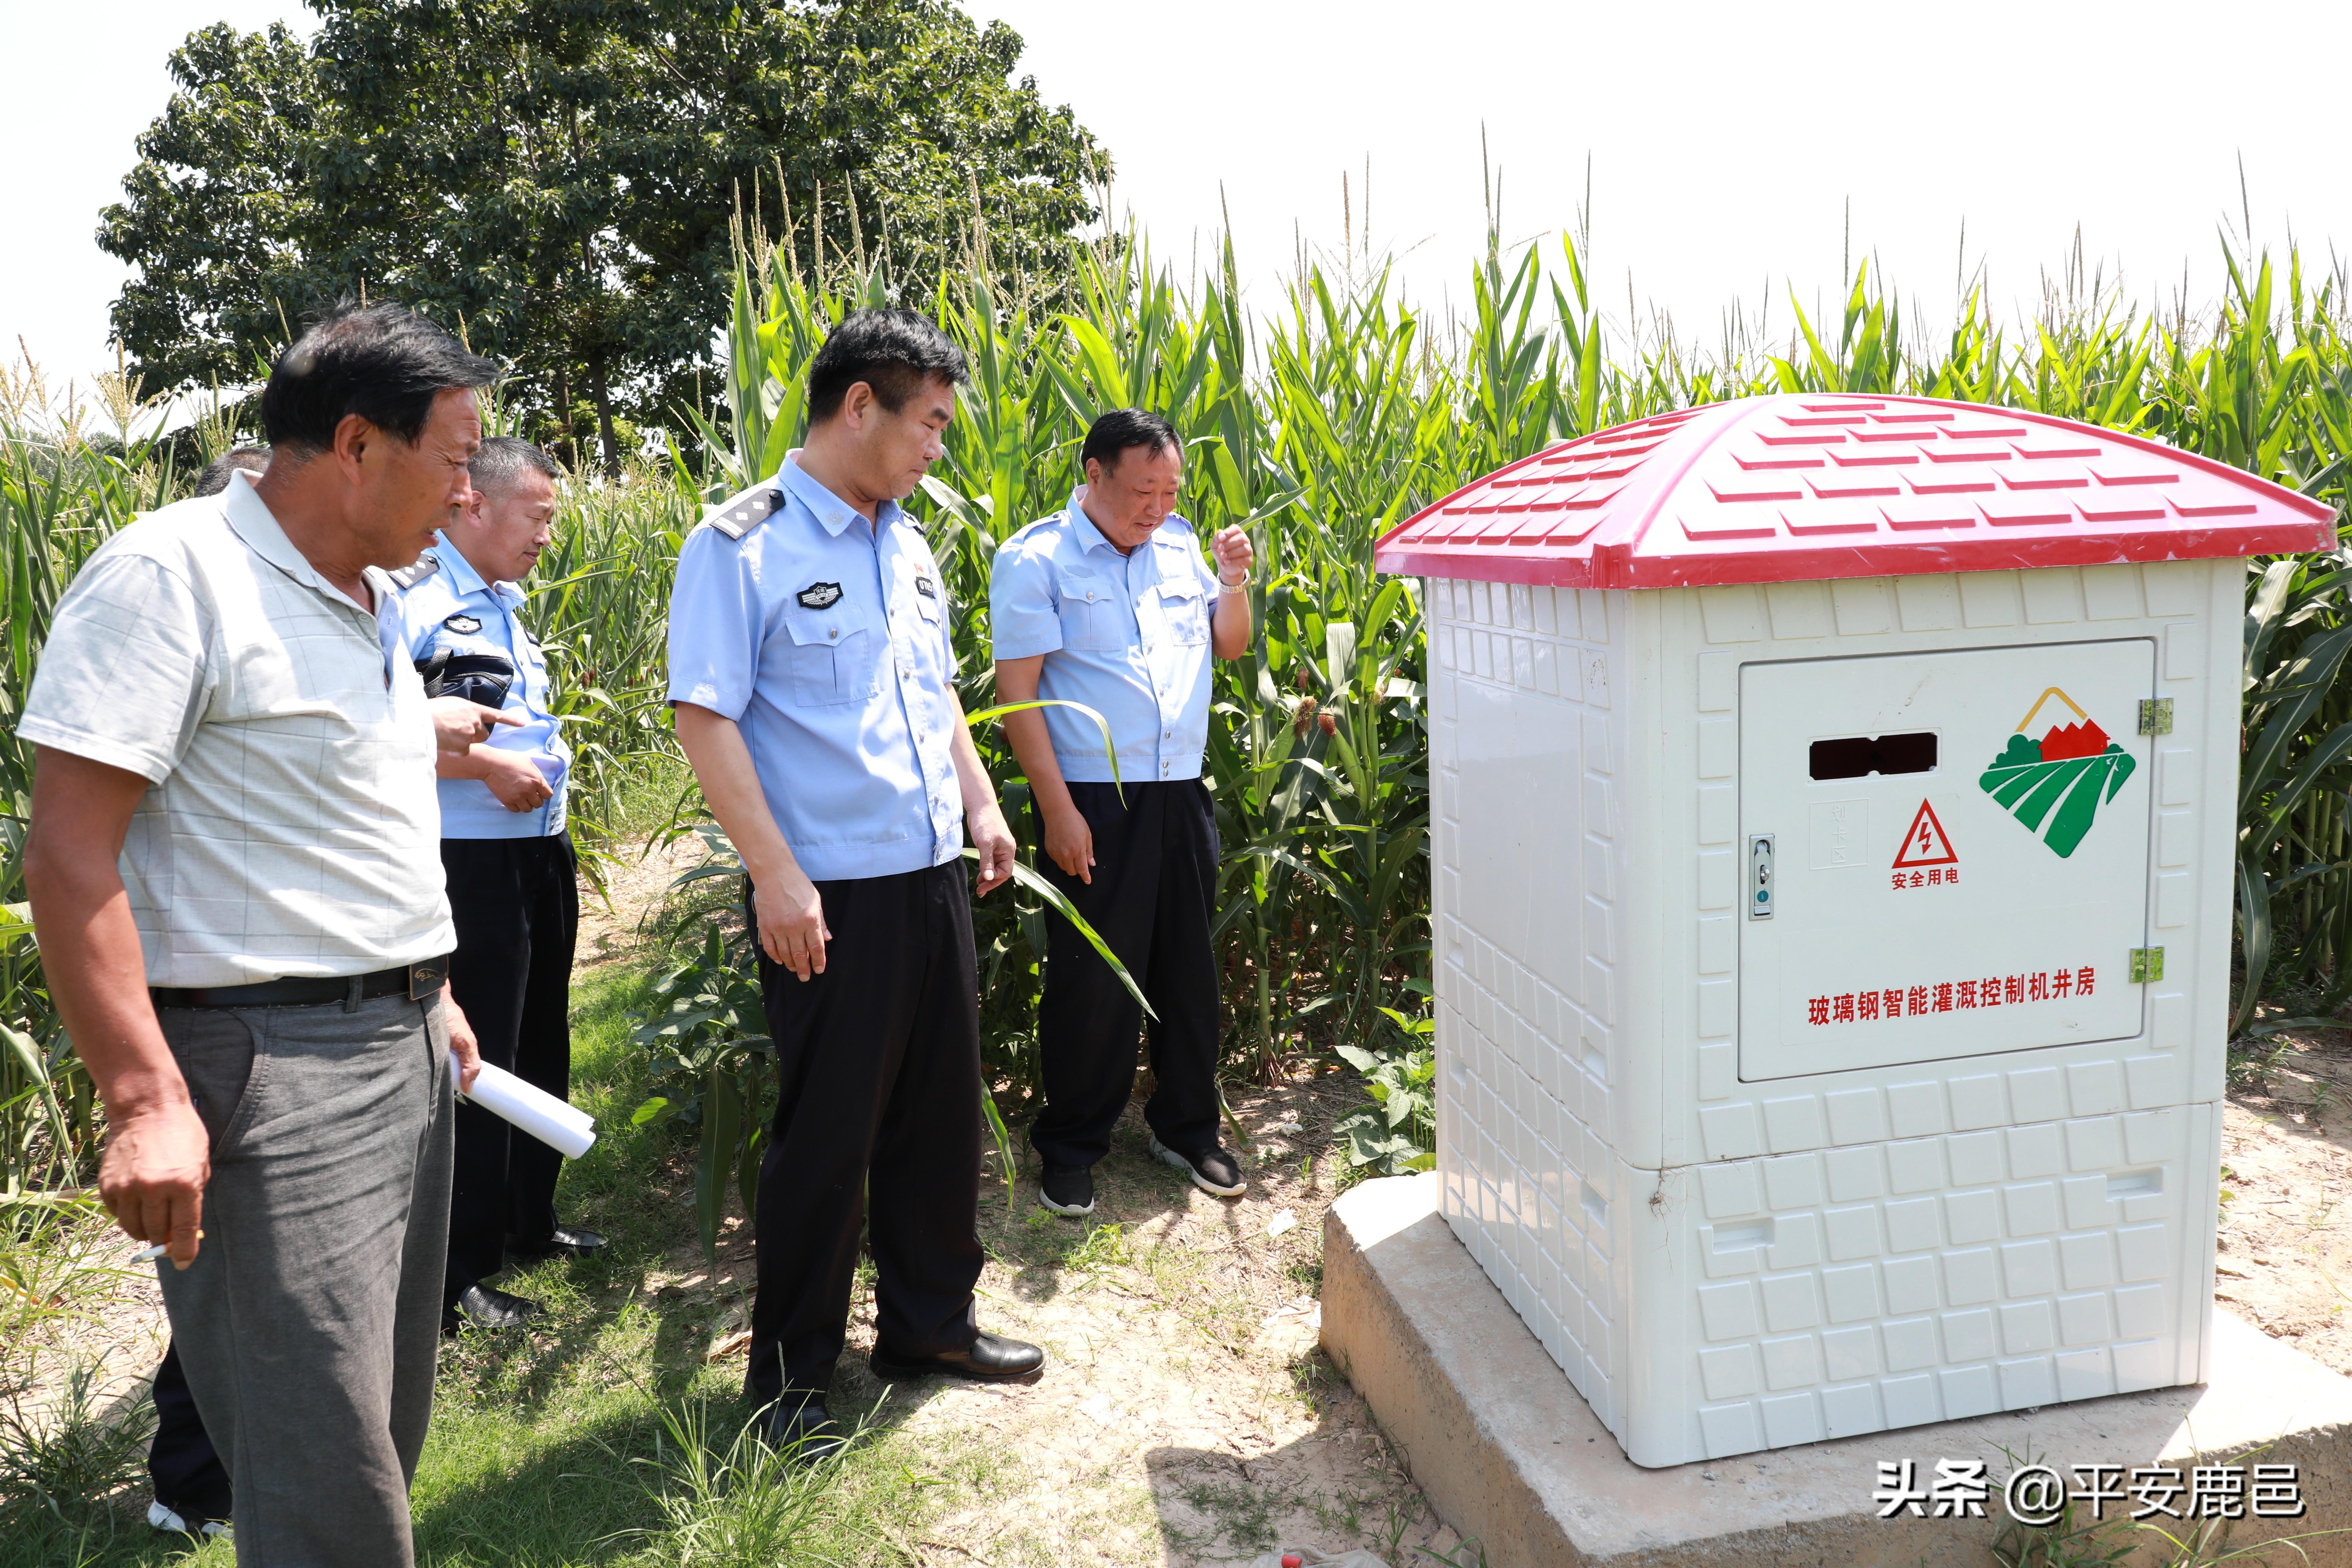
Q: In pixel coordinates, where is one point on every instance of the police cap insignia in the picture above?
(819, 595)
(463, 624)
(924, 586)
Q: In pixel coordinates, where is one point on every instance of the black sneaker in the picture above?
(171, 1521)
(1068, 1190)
(1217, 1171)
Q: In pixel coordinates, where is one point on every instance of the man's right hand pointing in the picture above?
(459, 724)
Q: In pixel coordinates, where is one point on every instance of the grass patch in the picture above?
(1240, 1515)
(603, 1437)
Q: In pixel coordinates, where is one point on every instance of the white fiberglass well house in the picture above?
(1834, 802)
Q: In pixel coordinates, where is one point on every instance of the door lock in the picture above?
(1760, 877)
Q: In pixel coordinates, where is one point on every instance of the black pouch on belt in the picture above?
(483, 678)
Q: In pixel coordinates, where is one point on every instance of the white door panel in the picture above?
(1959, 858)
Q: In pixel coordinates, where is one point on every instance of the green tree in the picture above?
(562, 177)
(213, 214)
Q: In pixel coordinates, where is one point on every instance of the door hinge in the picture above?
(2155, 716)
(2146, 965)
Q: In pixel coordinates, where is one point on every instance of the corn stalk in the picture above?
(1313, 425)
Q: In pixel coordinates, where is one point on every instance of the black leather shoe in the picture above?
(986, 1360)
(482, 1307)
(807, 1434)
(567, 1242)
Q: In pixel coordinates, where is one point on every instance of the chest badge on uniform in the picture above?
(927, 588)
(463, 625)
(819, 595)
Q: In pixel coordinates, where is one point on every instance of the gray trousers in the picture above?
(310, 1320)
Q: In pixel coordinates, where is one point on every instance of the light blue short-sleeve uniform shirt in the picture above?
(1128, 636)
(450, 607)
(825, 638)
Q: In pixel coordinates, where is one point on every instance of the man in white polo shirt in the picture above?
(235, 870)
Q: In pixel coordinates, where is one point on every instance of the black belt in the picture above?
(418, 981)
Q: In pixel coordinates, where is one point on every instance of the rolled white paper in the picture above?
(564, 1128)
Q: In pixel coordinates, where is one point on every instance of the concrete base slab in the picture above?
(1507, 1452)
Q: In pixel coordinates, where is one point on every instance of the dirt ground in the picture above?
(2284, 1261)
(1187, 1417)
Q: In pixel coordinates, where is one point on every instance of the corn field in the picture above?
(1316, 425)
(60, 499)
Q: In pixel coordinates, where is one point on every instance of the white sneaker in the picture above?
(163, 1519)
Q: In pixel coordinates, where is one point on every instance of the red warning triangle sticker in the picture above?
(1924, 843)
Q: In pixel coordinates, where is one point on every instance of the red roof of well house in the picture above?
(1798, 486)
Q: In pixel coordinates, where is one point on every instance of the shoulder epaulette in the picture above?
(747, 511)
(407, 577)
(1029, 528)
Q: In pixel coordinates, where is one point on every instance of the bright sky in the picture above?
(1725, 142)
(82, 86)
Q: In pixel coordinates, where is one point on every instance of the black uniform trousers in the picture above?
(878, 1076)
(187, 1473)
(516, 904)
(1153, 898)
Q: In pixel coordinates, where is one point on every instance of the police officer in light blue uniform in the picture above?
(512, 874)
(1109, 604)
(492, 659)
(811, 677)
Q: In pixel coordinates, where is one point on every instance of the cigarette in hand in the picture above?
(149, 1255)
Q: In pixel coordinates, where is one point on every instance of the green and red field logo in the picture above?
(2056, 784)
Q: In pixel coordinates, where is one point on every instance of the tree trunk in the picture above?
(564, 444)
(604, 435)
